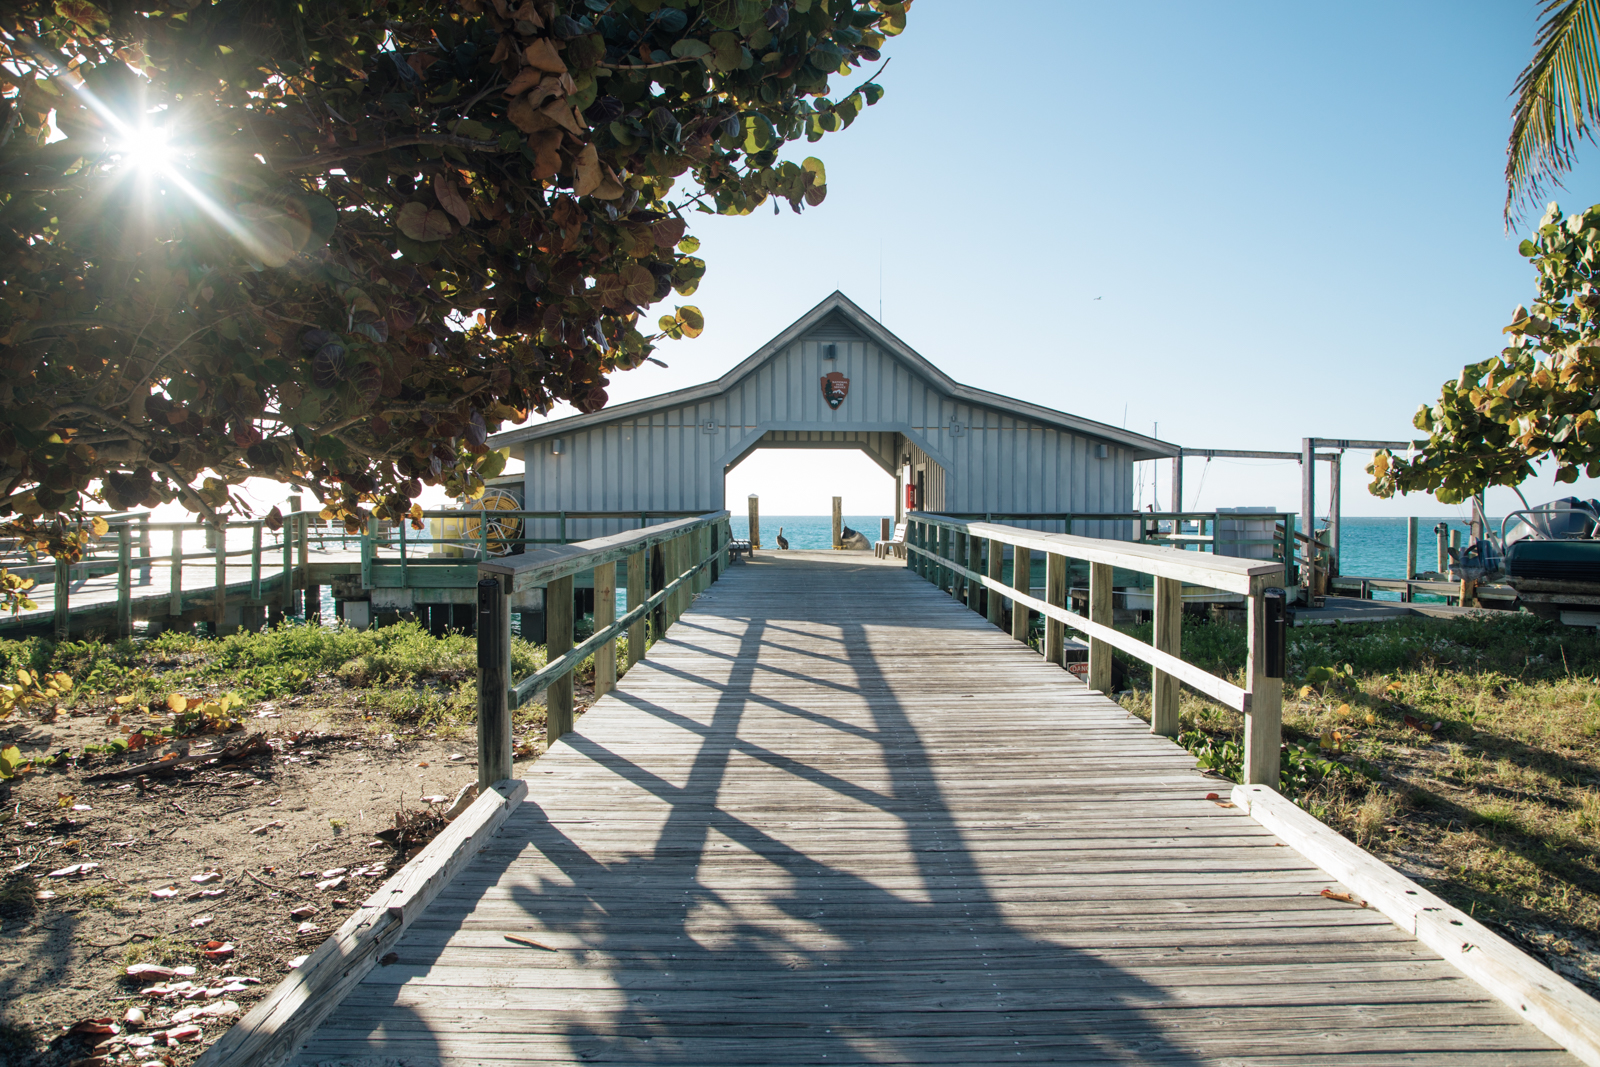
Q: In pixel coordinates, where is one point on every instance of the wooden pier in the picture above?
(834, 816)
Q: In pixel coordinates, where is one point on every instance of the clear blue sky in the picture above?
(1289, 214)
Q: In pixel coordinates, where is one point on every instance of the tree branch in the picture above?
(324, 160)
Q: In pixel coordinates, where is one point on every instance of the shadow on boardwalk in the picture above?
(784, 841)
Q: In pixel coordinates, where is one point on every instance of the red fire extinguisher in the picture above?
(911, 496)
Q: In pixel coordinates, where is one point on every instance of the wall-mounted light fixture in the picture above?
(555, 446)
(1101, 451)
(830, 351)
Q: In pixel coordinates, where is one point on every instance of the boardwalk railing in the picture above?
(967, 560)
(681, 558)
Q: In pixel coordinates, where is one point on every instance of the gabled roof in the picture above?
(839, 304)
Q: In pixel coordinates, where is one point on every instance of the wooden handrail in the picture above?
(685, 548)
(929, 552)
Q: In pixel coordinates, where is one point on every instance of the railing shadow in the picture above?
(802, 953)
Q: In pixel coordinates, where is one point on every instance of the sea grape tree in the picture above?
(340, 243)
(1538, 399)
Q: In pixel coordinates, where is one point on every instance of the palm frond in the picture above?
(1558, 102)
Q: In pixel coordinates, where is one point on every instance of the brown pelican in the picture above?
(783, 542)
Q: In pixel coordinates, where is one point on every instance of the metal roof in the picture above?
(837, 303)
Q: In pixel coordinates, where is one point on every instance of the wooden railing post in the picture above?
(997, 570)
(63, 610)
(558, 641)
(1055, 594)
(1168, 598)
(124, 582)
(175, 595)
(1022, 581)
(605, 613)
(1263, 718)
(958, 582)
(287, 536)
(255, 561)
(1100, 612)
(144, 549)
(494, 674)
(219, 602)
(975, 589)
(638, 593)
(658, 582)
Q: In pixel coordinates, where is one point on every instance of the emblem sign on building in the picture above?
(835, 387)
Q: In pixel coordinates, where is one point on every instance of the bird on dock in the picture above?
(783, 542)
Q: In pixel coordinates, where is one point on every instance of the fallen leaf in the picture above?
(134, 1017)
(217, 950)
(1344, 898)
(183, 1034)
(437, 798)
(206, 878)
(164, 893)
(1213, 796)
(306, 927)
(527, 941)
(334, 872)
(456, 757)
(295, 963)
(138, 1040)
(1224, 803)
(95, 1026)
(145, 971)
(45, 894)
(204, 920)
(74, 870)
(203, 894)
(331, 883)
(305, 911)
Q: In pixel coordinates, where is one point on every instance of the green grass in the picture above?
(1490, 793)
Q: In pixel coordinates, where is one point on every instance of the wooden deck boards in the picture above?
(836, 818)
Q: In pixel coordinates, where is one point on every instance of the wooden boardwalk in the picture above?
(836, 818)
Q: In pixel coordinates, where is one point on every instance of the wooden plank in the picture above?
(975, 591)
(997, 565)
(1229, 573)
(1536, 993)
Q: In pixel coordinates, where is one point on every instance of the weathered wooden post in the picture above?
(1441, 534)
(1022, 581)
(946, 575)
(994, 602)
(838, 523)
(975, 590)
(755, 522)
(124, 582)
(557, 643)
(885, 529)
(1411, 555)
(638, 593)
(63, 610)
(1168, 603)
(1100, 612)
(175, 593)
(286, 535)
(1055, 594)
(219, 602)
(958, 557)
(1308, 515)
(1263, 719)
(605, 613)
(658, 582)
(255, 561)
(494, 673)
(144, 549)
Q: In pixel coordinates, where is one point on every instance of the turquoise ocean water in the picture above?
(806, 531)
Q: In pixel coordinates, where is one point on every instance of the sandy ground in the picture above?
(267, 855)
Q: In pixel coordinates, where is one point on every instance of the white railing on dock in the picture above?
(967, 560)
(681, 558)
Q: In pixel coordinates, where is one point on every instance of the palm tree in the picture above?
(1558, 101)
